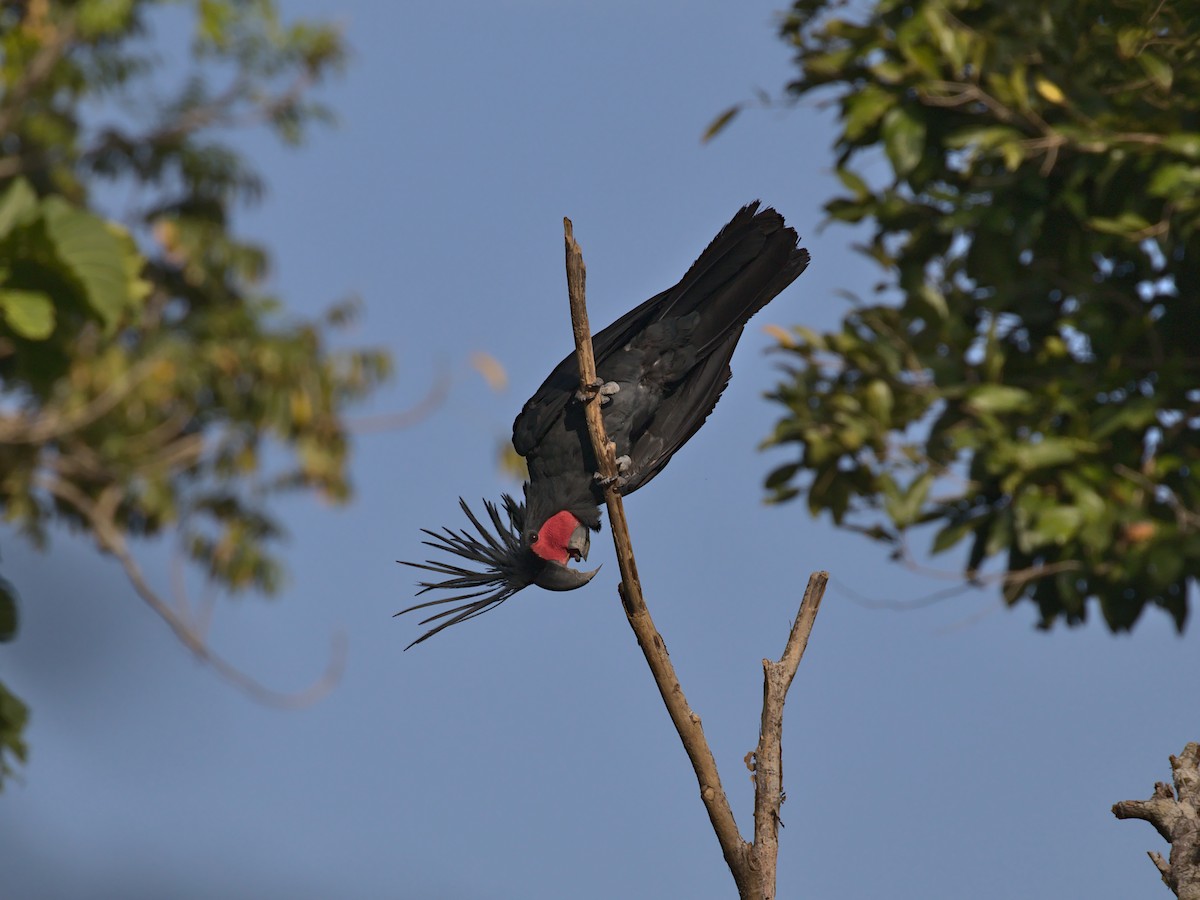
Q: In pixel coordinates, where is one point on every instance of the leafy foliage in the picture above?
(13, 713)
(1027, 381)
(148, 385)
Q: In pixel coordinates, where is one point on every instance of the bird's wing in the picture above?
(546, 405)
(679, 416)
(752, 259)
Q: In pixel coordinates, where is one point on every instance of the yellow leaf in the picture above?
(785, 338)
(1138, 532)
(511, 463)
(491, 370)
(163, 371)
(1013, 154)
(718, 124)
(1049, 90)
(302, 408)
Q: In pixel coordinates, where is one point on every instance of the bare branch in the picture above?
(1175, 814)
(22, 428)
(687, 723)
(110, 538)
(56, 40)
(768, 757)
(422, 409)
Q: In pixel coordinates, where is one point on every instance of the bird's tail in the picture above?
(747, 265)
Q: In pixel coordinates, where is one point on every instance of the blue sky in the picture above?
(947, 752)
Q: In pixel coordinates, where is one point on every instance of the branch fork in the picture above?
(1174, 811)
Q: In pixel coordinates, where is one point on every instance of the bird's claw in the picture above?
(607, 391)
(602, 389)
(588, 391)
(624, 464)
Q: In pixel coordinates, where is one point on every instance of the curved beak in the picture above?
(556, 577)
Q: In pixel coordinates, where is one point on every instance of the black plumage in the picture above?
(668, 361)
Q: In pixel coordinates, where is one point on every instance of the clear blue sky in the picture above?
(948, 752)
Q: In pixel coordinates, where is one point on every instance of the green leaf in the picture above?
(1187, 144)
(1157, 68)
(999, 398)
(1012, 154)
(14, 715)
(905, 508)
(1127, 224)
(932, 299)
(951, 534)
(28, 313)
(1019, 85)
(864, 109)
(1130, 40)
(96, 18)
(847, 210)
(1175, 180)
(93, 254)
(779, 478)
(18, 204)
(1049, 452)
(717, 125)
(853, 182)
(984, 138)
(903, 140)
(1166, 564)
(8, 611)
(1058, 524)
(1134, 415)
(879, 401)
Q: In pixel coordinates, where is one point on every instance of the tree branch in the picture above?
(1175, 814)
(752, 865)
(418, 412)
(768, 757)
(48, 425)
(55, 41)
(110, 538)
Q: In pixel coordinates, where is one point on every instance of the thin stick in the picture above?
(768, 757)
(687, 723)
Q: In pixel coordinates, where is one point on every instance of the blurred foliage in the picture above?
(148, 385)
(1027, 385)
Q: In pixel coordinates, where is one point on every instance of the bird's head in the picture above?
(562, 538)
(513, 557)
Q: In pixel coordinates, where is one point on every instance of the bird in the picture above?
(661, 369)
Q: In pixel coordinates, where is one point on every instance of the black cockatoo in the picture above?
(663, 367)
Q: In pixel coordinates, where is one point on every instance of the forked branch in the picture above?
(1174, 811)
(752, 864)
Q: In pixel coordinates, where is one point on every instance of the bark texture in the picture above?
(1175, 814)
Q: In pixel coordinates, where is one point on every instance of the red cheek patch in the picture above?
(552, 539)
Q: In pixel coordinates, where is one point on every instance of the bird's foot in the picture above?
(587, 392)
(607, 391)
(624, 464)
(603, 389)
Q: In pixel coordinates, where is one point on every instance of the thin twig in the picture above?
(434, 398)
(768, 756)
(22, 428)
(110, 538)
(56, 40)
